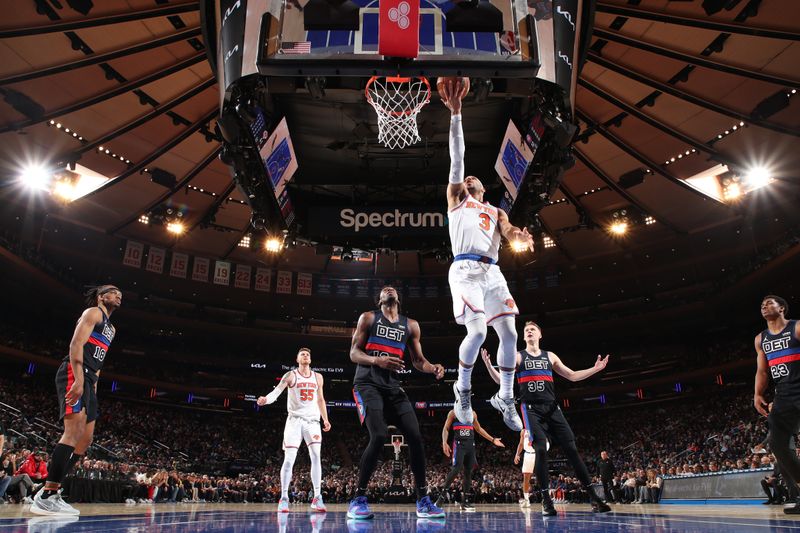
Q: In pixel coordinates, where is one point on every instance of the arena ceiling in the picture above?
(126, 86)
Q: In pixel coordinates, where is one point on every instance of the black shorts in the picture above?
(88, 401)
(391, 403)
(546, 421)
(464, 454)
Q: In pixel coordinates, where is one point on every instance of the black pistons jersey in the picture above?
(535, 378)
(96, 348)
(385, 338)
(463, 433)
(783, 355)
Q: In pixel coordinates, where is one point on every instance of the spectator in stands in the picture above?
(605, 467)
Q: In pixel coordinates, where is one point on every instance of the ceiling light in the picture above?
(144, 219)
(618, 228)
(649, 220)
(519, 246)
(64, 190)
(245, 242)
(175, 227)
(273, 244)
(36, 177)
(732, 191)
(548, 241)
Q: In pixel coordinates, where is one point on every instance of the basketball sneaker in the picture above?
(440, 501)
(793, 509)
(467, 506)
(427, 509)
(359, 509)
(508, 409)
(317, 506)
(283, 505)
(52, 505)
(463, 404)
(548, 509)
(599, 506)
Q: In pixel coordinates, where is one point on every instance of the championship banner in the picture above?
(133, 254)
(222, 273)
(263, 279)
(351, 221)
(304, 284)
(242, 279)
(155, 260)
(200, 269)
(179, 266)
(398, 28)
(284, 285)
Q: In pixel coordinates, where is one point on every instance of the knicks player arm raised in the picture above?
(762, 378)
(83, 330)
(456, 190)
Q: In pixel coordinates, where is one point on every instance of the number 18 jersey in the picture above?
(473, 228)
(302, 398)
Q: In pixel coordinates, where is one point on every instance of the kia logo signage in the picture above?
(366, 221)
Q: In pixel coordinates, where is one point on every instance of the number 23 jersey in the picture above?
(783, 356)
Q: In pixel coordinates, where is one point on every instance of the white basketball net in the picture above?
(398, 101)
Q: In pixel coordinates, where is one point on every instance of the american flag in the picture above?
(299, 47)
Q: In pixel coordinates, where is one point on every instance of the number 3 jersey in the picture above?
(535, 378)
(783, 355)
(385, 338)
(96, 348)
(302, 398)
(473, 228)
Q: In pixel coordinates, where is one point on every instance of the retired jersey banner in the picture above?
(263, 279)
(179, 266)
(200, 269)
(222, 273)
(304, 284)
(242, 279)
(134, 251)
(155, 260)
(284, 285)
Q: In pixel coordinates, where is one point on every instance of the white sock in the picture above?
(316, 468)
(289, 455)
(468, 351)
(527, 496)
(506, 354)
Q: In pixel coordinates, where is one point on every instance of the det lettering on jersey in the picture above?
(535, 365)
(387, 332)
(775, 345)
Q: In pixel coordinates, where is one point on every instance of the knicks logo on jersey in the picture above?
(471, 204)
(393, 334)
(509, 303)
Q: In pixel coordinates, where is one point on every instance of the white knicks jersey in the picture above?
(473, 228)
(526, 443)
(302, 399)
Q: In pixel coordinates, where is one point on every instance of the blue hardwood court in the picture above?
(401, 519)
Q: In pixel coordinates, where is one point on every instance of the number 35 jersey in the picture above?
(302, 398)
(783, 355)
(473, 228)
(535, 378)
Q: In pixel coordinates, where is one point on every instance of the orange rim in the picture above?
(397, 79)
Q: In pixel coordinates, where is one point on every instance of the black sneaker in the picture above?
(599, 506)
(440, 501)
(794, 509)
(467, 506)
(548, 509)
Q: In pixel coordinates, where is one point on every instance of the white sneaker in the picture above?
(507, 408)
(27, 500)
(462, 407)
(317, 505)
(49, 506)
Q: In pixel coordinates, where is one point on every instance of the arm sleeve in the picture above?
(272, 396)
(456, 150)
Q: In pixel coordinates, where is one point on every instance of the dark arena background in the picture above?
(242, 173)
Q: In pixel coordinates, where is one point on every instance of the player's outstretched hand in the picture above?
(452, 95)
(760, 404)
(438, 371)
(601, 362)
(497, 442)
(262, 401)
(390, 362)
(446, 449)
(523, 236)
(326, 426)
(487, 359)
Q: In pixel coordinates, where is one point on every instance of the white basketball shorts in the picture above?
(479, 288)
(298, 429)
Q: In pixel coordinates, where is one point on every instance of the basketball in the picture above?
(452, 80)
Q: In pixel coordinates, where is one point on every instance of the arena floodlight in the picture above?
(36, 177)
(758, 177)
(273, 244)
(519, 246)
(176, 227)
(618, 228)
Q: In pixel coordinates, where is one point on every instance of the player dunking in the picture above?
(463, 454)
(542, 414)
(778, 354)
(76, 388)
(479, 290)
(305, 404)
(378, 347)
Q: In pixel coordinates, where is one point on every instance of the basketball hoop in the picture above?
(398, 101)
(397, 444)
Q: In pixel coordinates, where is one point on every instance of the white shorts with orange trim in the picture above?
(479, 288)
(301, 429)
